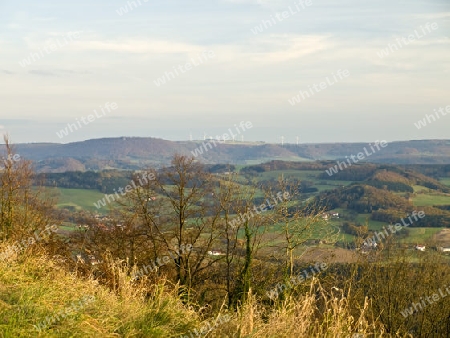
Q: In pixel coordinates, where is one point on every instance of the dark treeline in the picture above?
(433, 170)
(105, 181)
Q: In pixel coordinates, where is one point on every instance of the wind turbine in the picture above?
(297, 140)
(282, 140)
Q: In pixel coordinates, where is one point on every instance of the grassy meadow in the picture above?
(78, 199)
(445, 180)
(430, 199)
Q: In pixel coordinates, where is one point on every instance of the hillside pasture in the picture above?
(420, 235)
(420, 188)
(373, 225)
(425, 200)
(79, 199)
(445, 181)
(305, 175)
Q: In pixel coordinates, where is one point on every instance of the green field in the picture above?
(332, 185)
(419, 188)
(302, 175)
(445, 180)
(419, 235)
(373, 225)
(347, 238)
(416, 235)
(305, 175)
(78, 199)
(425, 200)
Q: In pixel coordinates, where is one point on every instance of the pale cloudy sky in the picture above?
(118, 58)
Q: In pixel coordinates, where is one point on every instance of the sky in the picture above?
(224, 62)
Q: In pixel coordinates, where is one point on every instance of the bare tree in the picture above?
(298, 223)
(244, 233)
(174, 210)
(22, 209)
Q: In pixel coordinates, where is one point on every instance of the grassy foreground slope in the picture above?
(37, 292)
(35, 289)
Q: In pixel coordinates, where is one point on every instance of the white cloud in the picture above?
(435, 41)
(138, 46)
(280, 48)
(431, 16)
(257, 2)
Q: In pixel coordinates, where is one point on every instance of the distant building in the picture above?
(368, 246)
(215, 253)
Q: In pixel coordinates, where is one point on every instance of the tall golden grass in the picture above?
(35, 286)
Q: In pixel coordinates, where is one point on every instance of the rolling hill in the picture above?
(137, 152)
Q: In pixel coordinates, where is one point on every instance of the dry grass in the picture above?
(317, 313)
(33, 287)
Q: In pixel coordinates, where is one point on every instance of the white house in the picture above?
(215, 253)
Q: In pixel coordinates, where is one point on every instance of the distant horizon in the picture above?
(237, 142)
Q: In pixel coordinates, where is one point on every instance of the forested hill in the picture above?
(136, 152)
